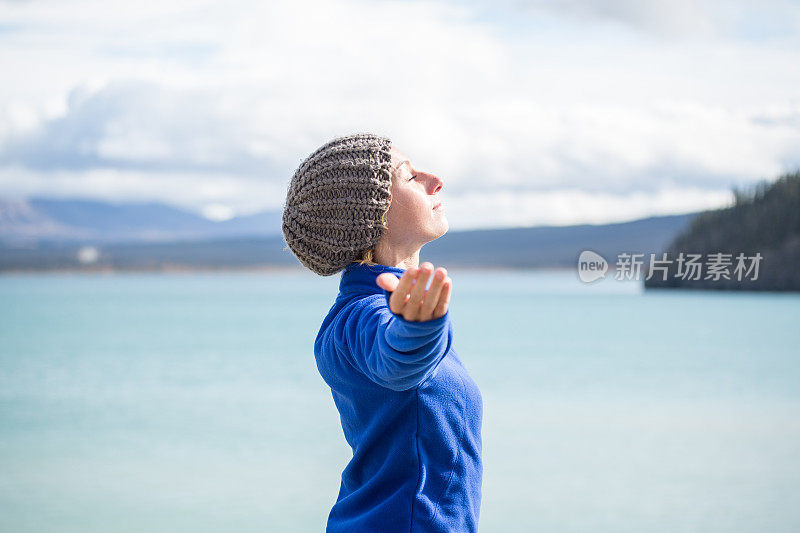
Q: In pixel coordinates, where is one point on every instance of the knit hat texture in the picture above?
(336, 202)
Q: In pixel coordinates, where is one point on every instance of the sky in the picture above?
(531, 111)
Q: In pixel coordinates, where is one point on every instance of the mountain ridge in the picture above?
(45, 234)
(46, 219)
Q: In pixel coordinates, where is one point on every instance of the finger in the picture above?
(399, 296)
(412, 308)
(432, 296)
(444, 299)
(387, 281)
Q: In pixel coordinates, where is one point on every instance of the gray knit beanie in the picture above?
(336, 202)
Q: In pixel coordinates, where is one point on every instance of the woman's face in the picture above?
(416, 215)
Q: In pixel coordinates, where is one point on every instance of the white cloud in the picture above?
(218, 212)
(572, 206)
(681, 18)
(198, 104)
(190, 191)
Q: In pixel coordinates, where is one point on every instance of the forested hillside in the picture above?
(763, 222)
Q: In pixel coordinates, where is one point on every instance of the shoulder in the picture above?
(363, 303)
(351, 311)
(351, 319)
(363, 308)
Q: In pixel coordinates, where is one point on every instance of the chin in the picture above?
(443, 228)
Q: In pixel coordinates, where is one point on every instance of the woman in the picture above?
(409, 409)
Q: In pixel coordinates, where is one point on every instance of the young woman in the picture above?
(409, 409)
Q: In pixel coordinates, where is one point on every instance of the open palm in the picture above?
(409, 297)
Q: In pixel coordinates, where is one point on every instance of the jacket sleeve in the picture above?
(390, 350)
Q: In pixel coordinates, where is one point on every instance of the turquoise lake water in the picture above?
(191, 402)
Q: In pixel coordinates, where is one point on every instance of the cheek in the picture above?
(416, 207)
(408, 209)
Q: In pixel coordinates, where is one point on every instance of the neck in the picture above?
(396, 257)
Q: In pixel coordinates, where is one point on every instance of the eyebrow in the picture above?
(401, 163)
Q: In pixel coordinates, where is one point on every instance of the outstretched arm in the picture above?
(391, 350)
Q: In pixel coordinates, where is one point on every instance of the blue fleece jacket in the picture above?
(409, 411)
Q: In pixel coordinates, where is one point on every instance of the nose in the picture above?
(435, 184)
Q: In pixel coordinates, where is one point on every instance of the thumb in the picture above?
(387, 281)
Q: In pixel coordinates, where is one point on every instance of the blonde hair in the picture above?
(366, 257)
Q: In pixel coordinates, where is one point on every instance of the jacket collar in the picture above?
(360, 279)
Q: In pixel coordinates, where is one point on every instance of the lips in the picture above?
(437, 206)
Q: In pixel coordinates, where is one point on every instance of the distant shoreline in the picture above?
(266, 269)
